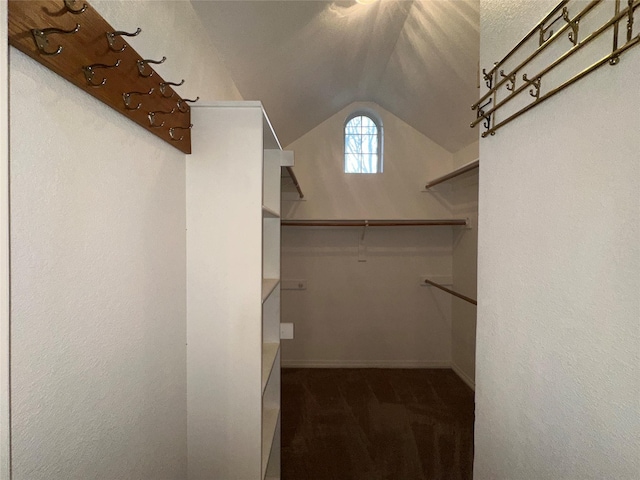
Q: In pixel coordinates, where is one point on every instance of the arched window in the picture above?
(362, 144)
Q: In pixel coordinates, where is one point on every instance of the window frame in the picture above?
(380, 138)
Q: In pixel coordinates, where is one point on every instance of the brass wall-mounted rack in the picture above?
(505, 87)
(71, 38)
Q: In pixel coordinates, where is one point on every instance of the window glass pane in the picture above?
(367, 122)
(361, 143)
(369, 163)
(369, 144)
(352, 128)
(352, 144)
(352, 163)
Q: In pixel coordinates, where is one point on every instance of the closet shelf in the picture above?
(269, 424)
(269, 213)
(467, 167)
(269, 354)
(374, 223)
(268, 286)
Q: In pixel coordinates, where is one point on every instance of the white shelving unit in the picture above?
(233, 294)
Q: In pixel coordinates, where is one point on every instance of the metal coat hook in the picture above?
(173, 129)
(163, 88)
(152, 117)
(111, 38)
(127, 99)
(488, 78)
(487, 118)
(573, 34)
(487, 124)
(89, 72)
(543, 29)
(42, 41)
(535, 91)
(630, 20)
(481, 108)
(142, 65)
(182, 104)
(511, 84)
(69, 6)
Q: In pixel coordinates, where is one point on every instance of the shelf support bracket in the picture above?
(362, 249)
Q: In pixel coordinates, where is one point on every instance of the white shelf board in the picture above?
(268, 286)
(269, 213)
(269, 424)
(269, 353)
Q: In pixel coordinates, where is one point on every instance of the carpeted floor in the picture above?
(374, 424)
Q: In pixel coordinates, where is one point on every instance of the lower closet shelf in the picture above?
(269, 353)
(269, 425)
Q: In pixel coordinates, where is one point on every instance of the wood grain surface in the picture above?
(89, 46)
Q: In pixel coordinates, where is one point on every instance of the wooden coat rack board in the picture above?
(73, 40)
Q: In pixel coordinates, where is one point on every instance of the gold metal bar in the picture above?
(295, 181)
(551, 93)
(459, 171)
(374, 223)
(537, 51)
(452, 292)
(557, 62)
(616, 27)
(630, 22)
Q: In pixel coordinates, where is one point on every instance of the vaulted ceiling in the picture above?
(306, 60)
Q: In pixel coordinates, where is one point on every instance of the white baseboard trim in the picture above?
(463, 376)
(363, 364)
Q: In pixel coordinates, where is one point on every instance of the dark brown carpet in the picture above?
(374, 424)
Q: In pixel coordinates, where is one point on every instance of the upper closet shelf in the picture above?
(458, 171)
(376, 223)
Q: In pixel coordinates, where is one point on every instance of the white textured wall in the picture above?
(372, 313)
(464, 194)
(4, 250)
(98, 266)
(558, 344)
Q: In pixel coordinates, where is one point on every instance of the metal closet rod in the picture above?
(374, 223)
(295, 181)
(457, 172)
(452, 292)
